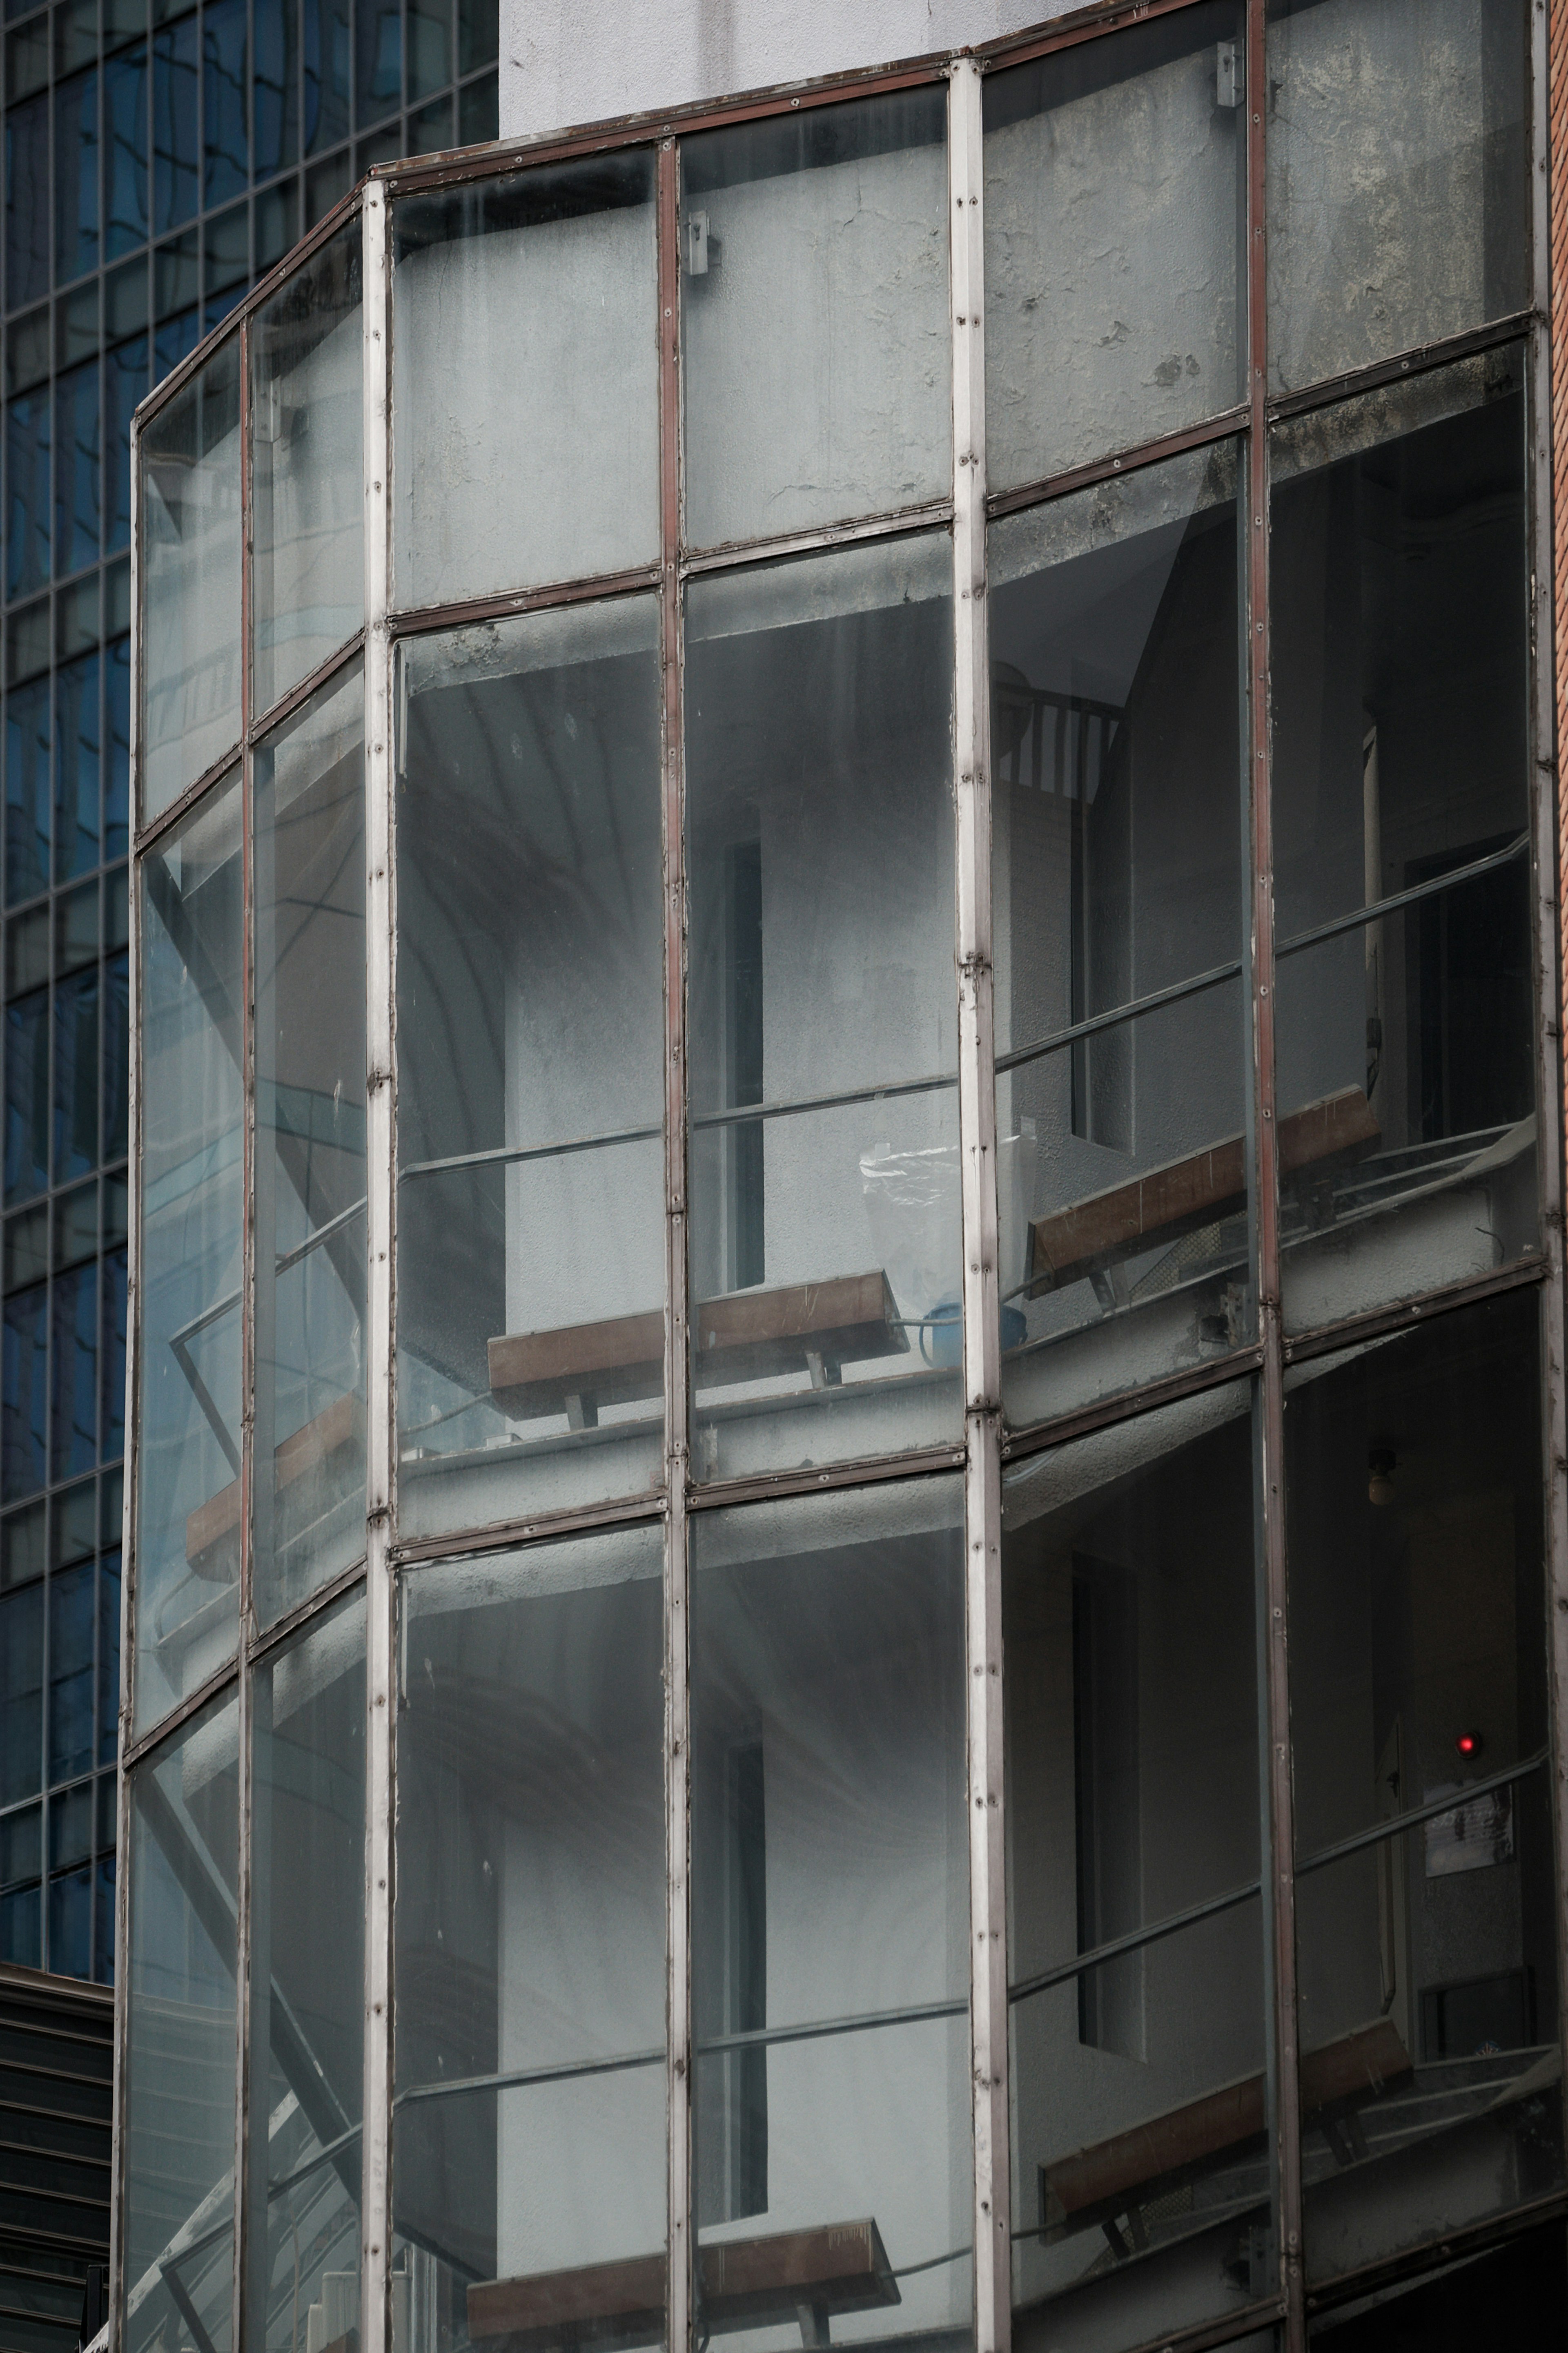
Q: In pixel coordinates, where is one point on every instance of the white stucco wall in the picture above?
(569, 61)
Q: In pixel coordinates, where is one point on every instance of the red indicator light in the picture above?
(1469, 1743)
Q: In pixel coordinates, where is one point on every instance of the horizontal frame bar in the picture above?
(1432, 888)
(1397, 1824)
(1226, 424)
(1133, 1941)
(1214, 977)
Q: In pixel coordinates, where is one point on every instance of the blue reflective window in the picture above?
(78, 764)
(378, 61)
(77, 525)
(21, 1692)
(174, 158)
(274, 82)
(28, 492)
(326, 73)
(125, 383)
(19, 1928)
(76, 1077)
(70, 1923)
(175, 337)
(28, 797)
(117, 784)
(126, 221)
(109, 1652)
(73, 1428)
(116, 1052)
(223, 61)
(27, 1095)
(72, 1616)
(103, 1921)
(23, 1408)
(76, 175)
(28, 202)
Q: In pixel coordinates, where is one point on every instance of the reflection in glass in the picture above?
(180, 2067)
(830, 1883)
(1399, 585)
(825, 1222)
(308, 562)
(310, 1159)
(307, 1982)
(1115, 191)
(188, 1486)
(190, 581)
(529, 2171)
(816, 365)
(1140, 2096)
(531, 1233)
(1117, 873)
(1419, 1684)
(525, 379)
(1397, 177)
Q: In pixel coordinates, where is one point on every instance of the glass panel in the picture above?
(175, 171)
(28, 202)
(189, 1499)
(27, 493)
(1119, 871)
(223, 60)
(816, 362)
(1140, 2098)
(307, 1982)
(190, 580)
(179, 2059)
(1115, 199)
(27, 1095)
(73, 1438)
(525, 380)
(71, 1617)
(76, 177)
(76, 524)
(306, 397)
(1419, 1684)
(310, 1140)
(27, 792)
(1400, 587)
(1397, 207)
(77, 768)
(125, 161)
(826, 1248)
(21, 1691)
(830, 1883)
(531, 1061)
(76, 1077)
(529, 2114)
(26, 1392)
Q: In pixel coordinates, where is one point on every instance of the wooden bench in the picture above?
(1113, 2180)
(805, 1327)
(803, 2277)
(211, 1530)
(1092, 1235)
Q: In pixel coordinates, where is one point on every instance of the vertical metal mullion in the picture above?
(1269, 1389)
(248, 1368)
(676, 1392)
(977, 1135)
(1549, 64)
(380, 1596)
(132, 1421)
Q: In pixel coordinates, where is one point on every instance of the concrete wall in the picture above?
(569, 61)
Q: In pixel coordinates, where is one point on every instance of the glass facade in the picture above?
(156, 166)
(846, 1227)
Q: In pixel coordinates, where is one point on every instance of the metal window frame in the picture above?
(988, 1445)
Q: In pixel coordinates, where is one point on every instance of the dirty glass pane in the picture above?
(187, 1488)
(1119, 873)
(834, 2184)
(307, 562)
(1397, 206)
(309, 1149)
(1141, 2189)
(822, 1009)
(307, 1981)
(190, 581)
(1115, 193)
(1400, 588)
(525, 380)
(180, 2067)
(529, 2169)
(530, 1066)
(1419, 1688)
(816, 353)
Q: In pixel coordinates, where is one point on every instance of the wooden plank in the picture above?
(745, 1336)
(1164, 1203)
(831, 2267)
(206, 1528)
(1102, 2179)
